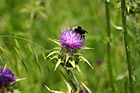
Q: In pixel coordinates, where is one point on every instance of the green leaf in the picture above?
(21, 59)
(58, 63)
(56, 48)
(1, 59)
(67, 57)
(54, 57)
(20, 79)
(84, 59)
(5, 52)
(87, 48)
(72, 63)
(117, 27)
(34, 54)
(55, 42)
(89, 91)
(5, 66)
(118, 6)
(17, 44)
(1, 48)
(67, 76)
(19, 53)
(29, 46)
(53, 52)
(43, 54)
(15, 91)
(77, 54)
(120, 77)
(77, 66)
(53, 90)
(68, 86)
(36, 59)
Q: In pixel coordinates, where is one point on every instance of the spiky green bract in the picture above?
(53, 91)
(68, 59)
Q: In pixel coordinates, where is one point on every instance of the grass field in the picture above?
(32, 22)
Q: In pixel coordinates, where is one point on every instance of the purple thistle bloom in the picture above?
(71, 39)
(6, 77)
(81, 91)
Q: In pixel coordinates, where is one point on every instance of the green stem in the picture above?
(108, 44)
(69, 77)
(125, 86)
(72, 78)
(136, 33)
(127, 48)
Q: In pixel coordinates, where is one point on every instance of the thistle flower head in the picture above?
(71, 39)
(81, 91)
(6, 77)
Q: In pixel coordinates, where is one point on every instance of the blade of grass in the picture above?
(5, 52)
(21, 59)
(34, 54)
(17, 44)
(19, 54)
(127, 47)
(1, 60)
(43, 54)
(107, 2)
(36, 59)
(89, 91)
(24, 39)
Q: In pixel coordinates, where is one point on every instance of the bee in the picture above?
(80, 31)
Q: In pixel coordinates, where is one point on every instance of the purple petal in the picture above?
(81, 90)
(85, 92)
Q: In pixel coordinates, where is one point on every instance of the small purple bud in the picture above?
(81, 91)
(85, 92)
(6, 77)
(99, 61)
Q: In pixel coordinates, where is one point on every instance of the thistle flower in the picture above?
(71, 40)
(81, 91)
(6, 77)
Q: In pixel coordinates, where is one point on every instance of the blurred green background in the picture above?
(38, 20)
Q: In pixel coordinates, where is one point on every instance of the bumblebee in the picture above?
(80, 31)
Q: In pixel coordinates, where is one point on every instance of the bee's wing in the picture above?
(84, 31)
